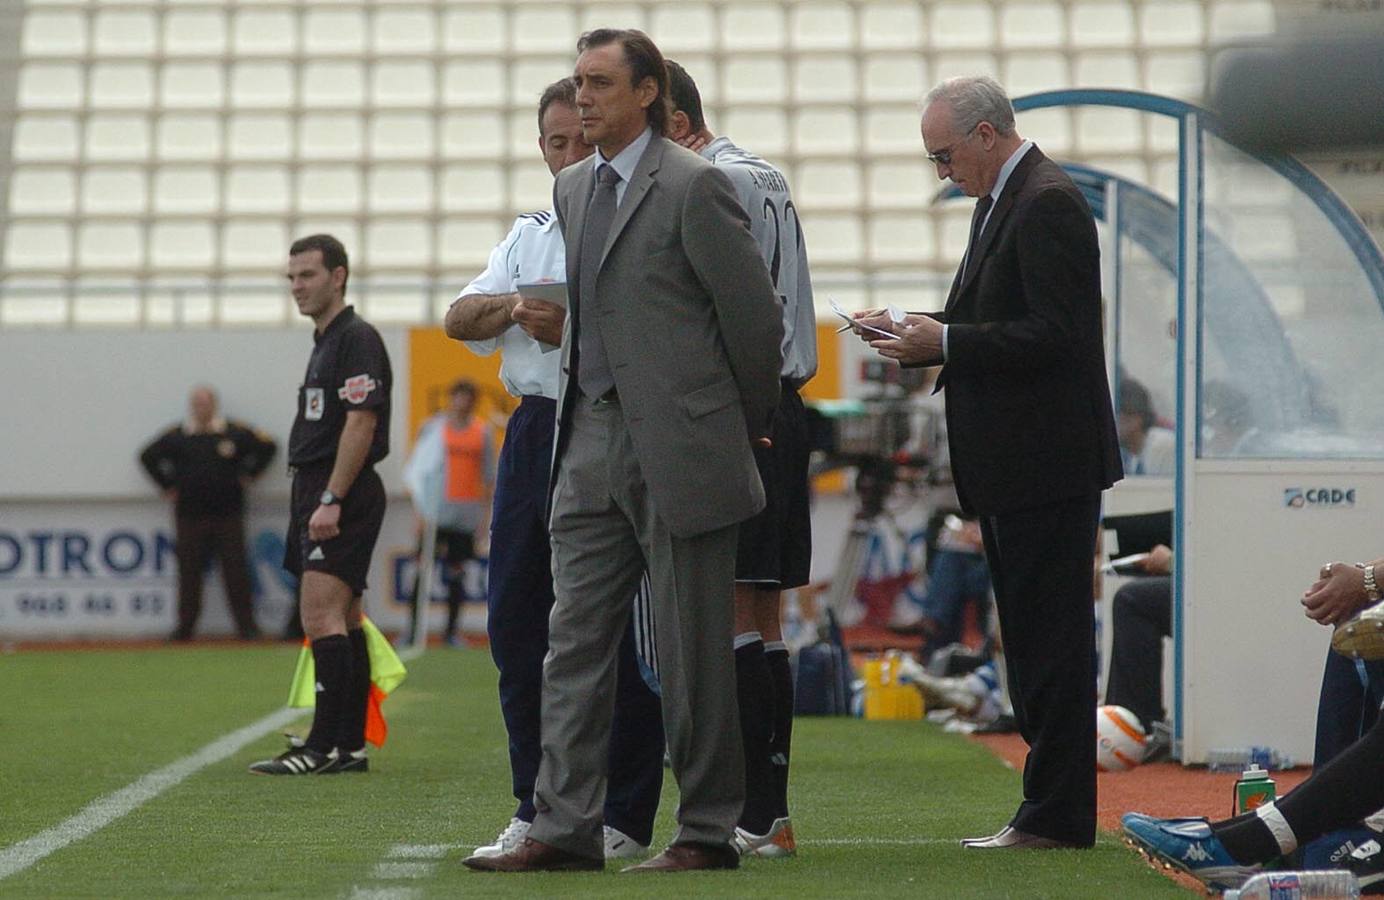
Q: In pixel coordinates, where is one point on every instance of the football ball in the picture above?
(1119, 739)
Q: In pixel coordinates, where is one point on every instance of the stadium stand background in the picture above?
(161, 156)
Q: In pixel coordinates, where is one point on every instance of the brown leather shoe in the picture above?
(534, 856)
(1010, 838)
(686, 856)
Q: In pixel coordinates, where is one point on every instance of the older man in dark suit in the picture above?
(1032, 432)
(670, 371)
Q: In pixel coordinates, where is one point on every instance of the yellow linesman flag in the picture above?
(387, 672)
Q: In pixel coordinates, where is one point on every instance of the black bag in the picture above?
(823, 675)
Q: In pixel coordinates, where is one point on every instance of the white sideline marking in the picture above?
(880, 842)
(422, 851)
(386, 893)
(105, 810)
(389, 870)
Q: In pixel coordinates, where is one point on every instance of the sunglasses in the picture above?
(943, 157)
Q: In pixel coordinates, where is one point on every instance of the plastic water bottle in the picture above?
(1237, 759)
(1335, 884)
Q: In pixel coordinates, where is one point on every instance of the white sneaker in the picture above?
(619, 845)
(514, 833)
(777, 844)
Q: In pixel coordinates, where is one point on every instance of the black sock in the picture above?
(756, 727)
(357, 696)
(454, 599)
(331, 656)
(1247, 839)
(781, 677)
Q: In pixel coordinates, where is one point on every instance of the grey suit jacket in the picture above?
(692, 329)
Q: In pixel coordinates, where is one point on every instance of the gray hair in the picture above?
(974, 99)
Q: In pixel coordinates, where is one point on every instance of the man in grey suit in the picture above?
(670, 371)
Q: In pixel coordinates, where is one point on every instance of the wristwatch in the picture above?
(328, 498)
(1371, 587)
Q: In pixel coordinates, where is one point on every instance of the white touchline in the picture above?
(104, 810)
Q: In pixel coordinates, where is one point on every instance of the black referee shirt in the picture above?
(349, 369)
(205, 467)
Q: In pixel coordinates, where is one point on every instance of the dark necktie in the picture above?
(977, 224)
(593, 368)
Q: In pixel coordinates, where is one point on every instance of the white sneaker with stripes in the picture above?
(511, 837)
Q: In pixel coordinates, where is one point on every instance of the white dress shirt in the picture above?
(533, 251)
(1006, 170)
(624, 163)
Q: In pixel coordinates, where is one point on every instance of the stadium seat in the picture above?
(105, 304)
(396, 243)
(900, 237)
(1101, 130)
(763, 131)
(186, 189)
(1175, 22)
(896, 76)
(834, 237)
(44, 85)
(54, 32)
(755, 79)
(827, 185)
(405, 31)
(900, 185)
(825, 78)
(826, 129)
(406, 135)
(1032, 25)
(528, 77)
(466, 242)
(267, 136)
(118, 136)
(333, 83)
(330, 136)
(473, 82)
(477, 29)
(467, 135)
(402, 83)
(329, 30)
(957, 25)
(262, 84)
(682, 27)
(543, 28)
(891, 26)
(1031, 72)
(182, 245)
(1240, 18)
(399, 188)
(114, 189)
(253, 305)
(42, 191)
(37, 245)
(531, 188)
(195, 31)
(179, 137)
(124, 32)
(257, 188)
(1102, 24)
(191, 84)
(1179, 73)
(1107, 70)
(121, 85)
(45, 137)
(752, 26)
(263, 32)
(329, 188)
(821, 26)
(110, 245)
(254, 245)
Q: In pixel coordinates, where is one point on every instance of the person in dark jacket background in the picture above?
(203, 465)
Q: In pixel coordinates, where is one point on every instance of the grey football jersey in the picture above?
(774, 223)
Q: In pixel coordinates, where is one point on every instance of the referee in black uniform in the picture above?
(338, 503)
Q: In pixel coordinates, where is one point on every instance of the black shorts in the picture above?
(775, 547)
(454, 547)
(347, 556)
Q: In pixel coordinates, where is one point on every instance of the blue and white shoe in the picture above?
(1189, 845)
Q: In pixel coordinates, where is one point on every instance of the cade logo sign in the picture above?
(1318, 498)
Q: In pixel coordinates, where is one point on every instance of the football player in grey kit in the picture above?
(775, 547)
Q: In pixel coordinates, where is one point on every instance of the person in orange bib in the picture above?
(468, 467)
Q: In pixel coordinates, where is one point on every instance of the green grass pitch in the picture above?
(877, 806)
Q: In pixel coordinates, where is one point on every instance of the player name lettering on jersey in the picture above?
(768, 180)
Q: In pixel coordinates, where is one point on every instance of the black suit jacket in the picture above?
(1029, 417)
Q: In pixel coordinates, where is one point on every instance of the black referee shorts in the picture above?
(346, 556)
(775, 547)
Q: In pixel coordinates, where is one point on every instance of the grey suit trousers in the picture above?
(604, 532)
